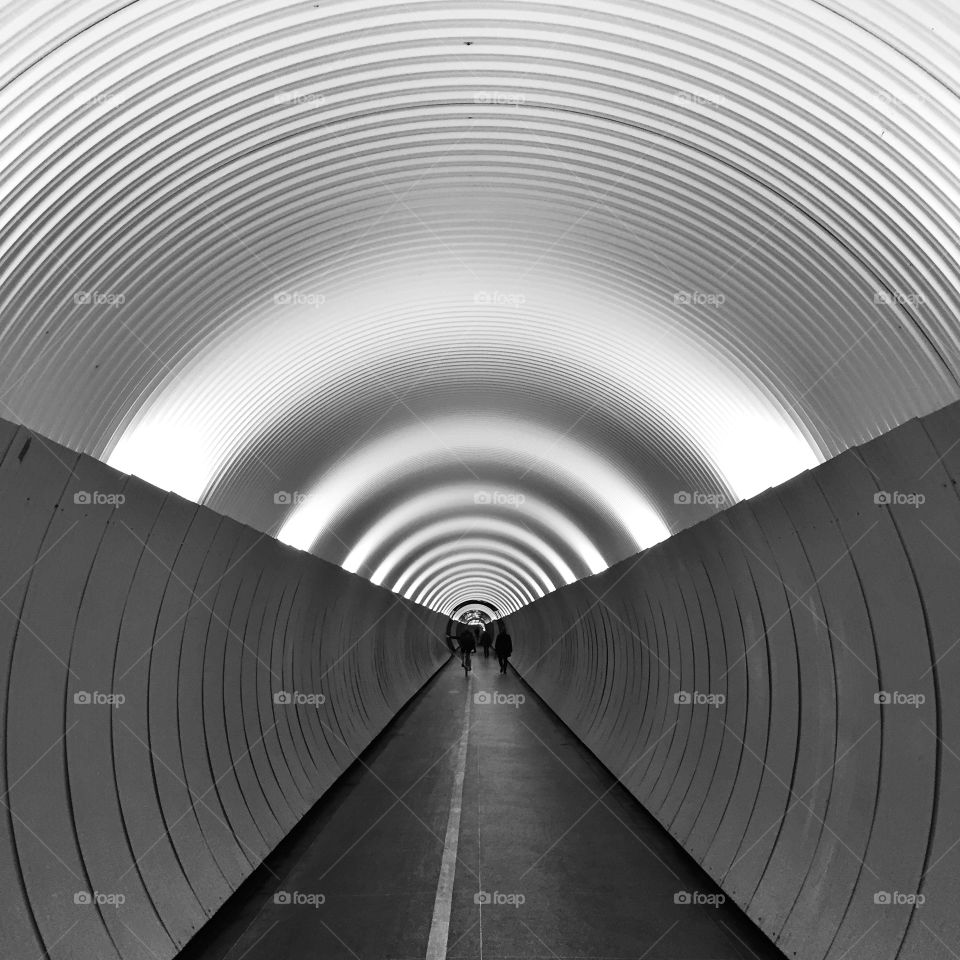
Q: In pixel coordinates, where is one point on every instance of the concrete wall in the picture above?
(800, 794)
(170, 798)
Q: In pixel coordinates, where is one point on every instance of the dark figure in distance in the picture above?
(466, 641)
(503, 647)
(486, 639)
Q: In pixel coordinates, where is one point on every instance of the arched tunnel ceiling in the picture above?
(476, 299)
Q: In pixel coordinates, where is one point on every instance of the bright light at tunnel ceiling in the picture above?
(170, 452)
(461, 440)
(490, 548)
(451, 528)
(451, 497)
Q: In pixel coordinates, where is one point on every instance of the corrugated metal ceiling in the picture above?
(496, 293)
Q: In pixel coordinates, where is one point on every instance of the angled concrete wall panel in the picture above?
(178, 690)
(776, 687)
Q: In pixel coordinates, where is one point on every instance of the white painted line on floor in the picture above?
(440, 927)
(479, 853)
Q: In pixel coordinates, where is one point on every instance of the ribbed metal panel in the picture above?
(359, 253)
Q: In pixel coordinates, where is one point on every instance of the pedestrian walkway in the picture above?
(477, 826)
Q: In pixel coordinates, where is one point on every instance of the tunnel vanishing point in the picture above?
(628, 329)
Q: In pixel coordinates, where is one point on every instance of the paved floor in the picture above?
(544, 856)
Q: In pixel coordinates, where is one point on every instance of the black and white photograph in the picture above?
(480, 480)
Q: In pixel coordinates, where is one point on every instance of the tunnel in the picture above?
(625, 332)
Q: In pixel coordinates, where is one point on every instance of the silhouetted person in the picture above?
(486, 639)
(466, 641)
(503, 647)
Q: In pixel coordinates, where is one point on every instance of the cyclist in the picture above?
(468, 644)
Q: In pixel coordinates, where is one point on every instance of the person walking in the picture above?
(503, 648)
(467, 644)
(486, 641)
